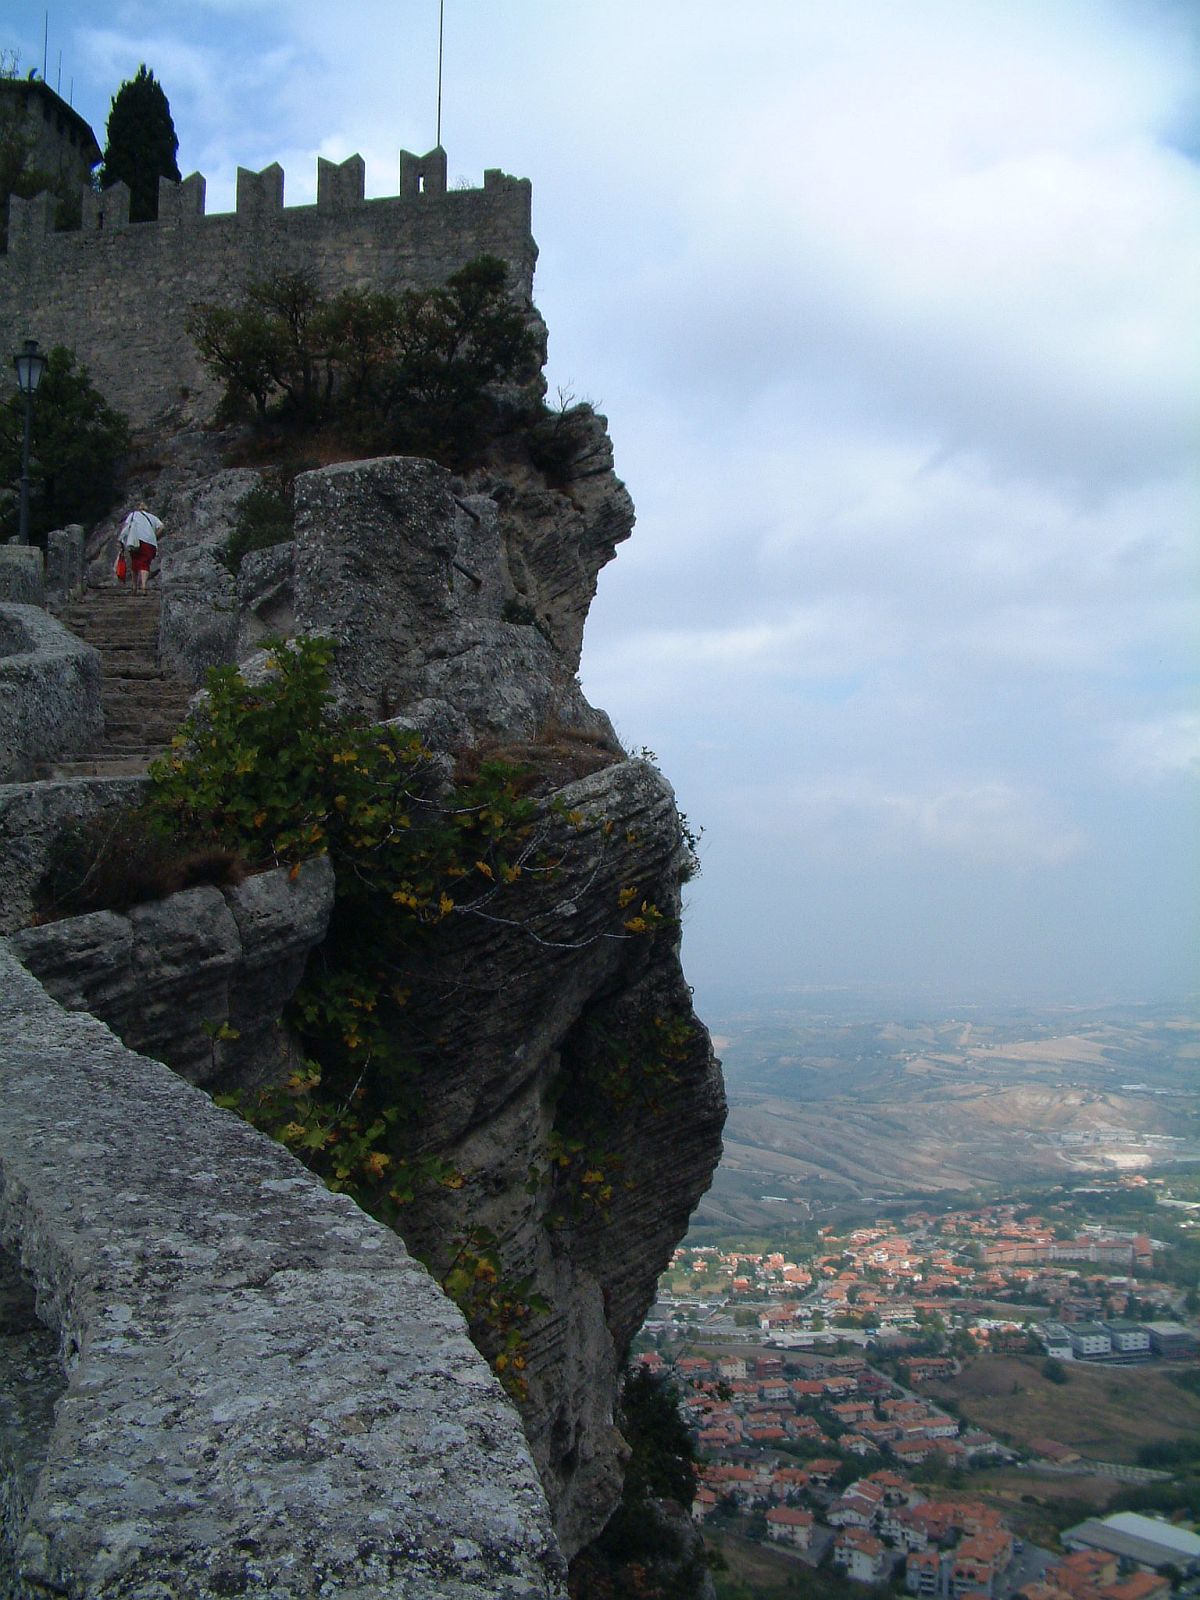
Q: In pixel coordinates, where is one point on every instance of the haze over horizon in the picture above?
(893, 312)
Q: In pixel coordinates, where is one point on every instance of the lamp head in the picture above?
(31, 365)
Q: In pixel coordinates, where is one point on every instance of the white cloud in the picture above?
(1164, 747)
(984, 823)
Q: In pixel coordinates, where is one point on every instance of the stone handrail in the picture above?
(264, 1393)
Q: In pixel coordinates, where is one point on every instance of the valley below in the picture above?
(830, 1107)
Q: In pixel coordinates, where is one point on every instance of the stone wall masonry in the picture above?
(118, 294)
(265, 1393)
(49, 692)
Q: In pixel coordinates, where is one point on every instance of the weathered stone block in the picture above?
(32, 816)
(265, 597)
(22, 580)
(64, 565)
(198, 620)
(50, 693)
(374, 544)
(265, 1394)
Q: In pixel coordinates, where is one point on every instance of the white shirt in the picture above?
(140, 527)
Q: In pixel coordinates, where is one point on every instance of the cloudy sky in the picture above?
(892, 307)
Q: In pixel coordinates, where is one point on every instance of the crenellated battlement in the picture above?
(118, 293)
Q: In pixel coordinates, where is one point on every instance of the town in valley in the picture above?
(986, 1390)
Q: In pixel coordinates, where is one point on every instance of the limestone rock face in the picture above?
(559, 1065)
(557, 540)
(198, 622)
(265, 607)
(556, 1025)
(374, 545)
(413, 581)
(167, 975)
(480, 586)
(545, 1022)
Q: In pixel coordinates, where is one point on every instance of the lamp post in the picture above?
(30, 364)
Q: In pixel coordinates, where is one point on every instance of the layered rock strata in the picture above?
(198, 979)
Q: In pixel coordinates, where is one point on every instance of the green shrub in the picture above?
(418, 373)
(263, 519)
(268, 771)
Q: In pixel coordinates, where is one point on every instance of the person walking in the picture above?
(138, 543)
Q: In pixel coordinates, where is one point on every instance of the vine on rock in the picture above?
(265, 769)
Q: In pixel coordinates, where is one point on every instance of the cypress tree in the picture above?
(141, 144)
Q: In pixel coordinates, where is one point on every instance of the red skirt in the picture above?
(143, 556)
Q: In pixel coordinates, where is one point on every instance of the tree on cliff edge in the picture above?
(141, 144)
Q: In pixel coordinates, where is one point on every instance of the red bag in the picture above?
(121, 569)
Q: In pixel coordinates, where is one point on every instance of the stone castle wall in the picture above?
(118, 294)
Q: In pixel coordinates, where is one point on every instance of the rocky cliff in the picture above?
(559, 1067)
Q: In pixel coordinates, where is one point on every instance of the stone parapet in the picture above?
(264, 1394)
(22, 578)
(64, 565)
(50, 695)
(118, 293)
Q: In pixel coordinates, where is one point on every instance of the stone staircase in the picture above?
(143, 704)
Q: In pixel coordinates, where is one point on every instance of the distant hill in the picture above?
(829, 1107)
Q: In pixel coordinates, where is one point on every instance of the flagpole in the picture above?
(441, 22)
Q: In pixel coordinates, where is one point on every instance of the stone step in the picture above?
(140, 618)
(130, 764)
(122, 646)
(141, 717)
(165, 706)
(147, 691)
(131, 623)
(113, 632)
(140, 730)
(143, 703)
(133, 739)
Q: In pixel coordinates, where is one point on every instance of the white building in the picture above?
(789, 1525)
(1057, 1340)
(1089, 1340)
(1129, 1338)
